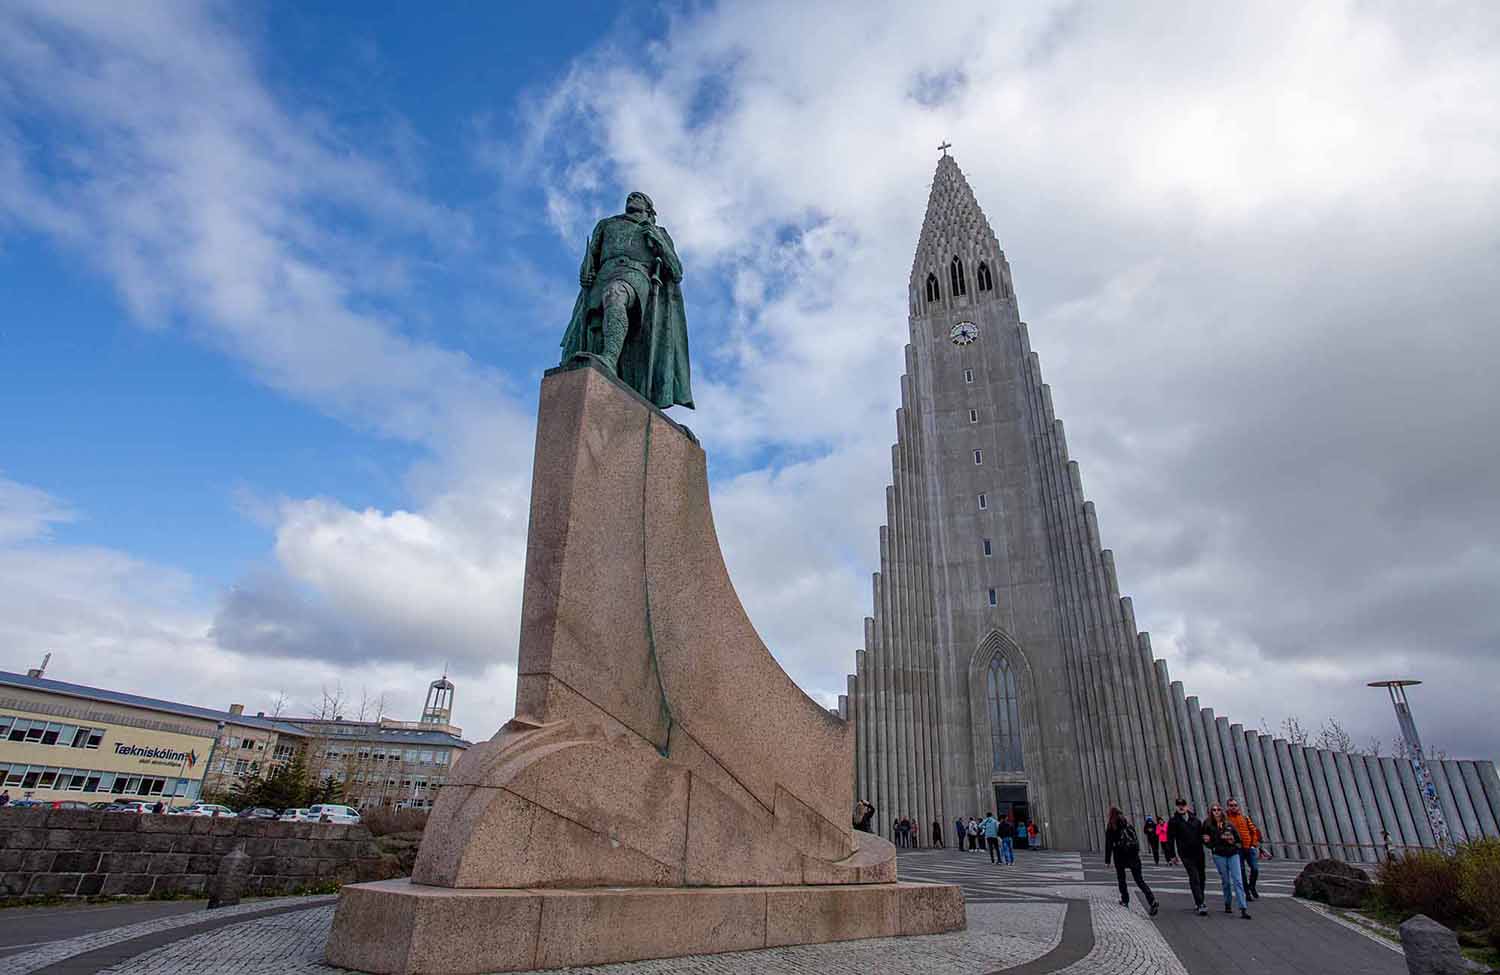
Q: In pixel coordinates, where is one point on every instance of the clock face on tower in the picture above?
(963, 333)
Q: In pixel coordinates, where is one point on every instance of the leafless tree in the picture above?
(1292, 730)
(1332, 737)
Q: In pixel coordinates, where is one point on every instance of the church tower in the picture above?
(1002, 670)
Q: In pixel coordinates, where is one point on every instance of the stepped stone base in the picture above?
(396, 927)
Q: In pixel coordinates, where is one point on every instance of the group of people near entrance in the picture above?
(999, 837)
(1227, 833)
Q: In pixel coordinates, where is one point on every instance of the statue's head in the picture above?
(640, 203)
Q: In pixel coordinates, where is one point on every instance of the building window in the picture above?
(987, 550)
(957, 285)
(968, 375)
(982, 277)
(993, 599)
(1005, 717)
(978, 457)
(973, 416)
(984, 502)
(933, 294)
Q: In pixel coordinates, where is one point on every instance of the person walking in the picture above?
(991, 827)
(1223, 841)
(1185, 833)
(1033, 836)
(937, 836)
(1250, 846)
(1007, 840)
(1122, 846)
(1153, 842)
(960, 831)
(973, 834)
(1168, 848)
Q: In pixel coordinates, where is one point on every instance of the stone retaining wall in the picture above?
(81, 853)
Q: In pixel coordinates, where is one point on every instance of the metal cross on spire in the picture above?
(945, 146)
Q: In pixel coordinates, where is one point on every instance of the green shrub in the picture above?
(1421, 882)
(1479, 883)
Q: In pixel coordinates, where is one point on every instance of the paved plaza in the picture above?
(1049, 912)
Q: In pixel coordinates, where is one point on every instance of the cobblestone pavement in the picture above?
(1016, 918)
(22, 963)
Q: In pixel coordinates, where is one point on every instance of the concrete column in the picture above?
(1385, 809)
(890, 632)
(1315, 793)
(886, 705)
(1173, 729)
(1223, 786)
(1121, 690)
(1400, 808)
(1205, 756)
(1264, 810)
(916, 762)
(1489, 780)
(1460, 792)
(1456, 825)
(1299, 797)
(1338, 822)
(1488, 824)
(852, 703)
(1164, 769)
(1412, 794)
(1280, 798)
(1356, 805)
(1194, 791)
(1155, 757)
(1239, 764)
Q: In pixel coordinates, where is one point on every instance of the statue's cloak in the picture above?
(654, 361)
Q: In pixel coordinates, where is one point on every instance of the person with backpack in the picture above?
(1185, 833)
(1224, 841)
(1122, 846)
(1250, 846)
(973, 834)
(1153, 842)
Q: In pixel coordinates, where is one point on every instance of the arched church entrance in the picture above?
(1007, 756)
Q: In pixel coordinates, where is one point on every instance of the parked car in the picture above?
(259, 812)
(100, 805)
(333, 813)
(295, 816)
(209, 809)
(130, 806)
(27, 804)
(71, 804)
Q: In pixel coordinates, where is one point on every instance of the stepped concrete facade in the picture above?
(1002, 669)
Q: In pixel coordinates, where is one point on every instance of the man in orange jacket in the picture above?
(1250, 850)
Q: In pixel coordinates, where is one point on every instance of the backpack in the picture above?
(1126, 844)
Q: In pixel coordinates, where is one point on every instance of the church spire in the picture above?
(954, 224)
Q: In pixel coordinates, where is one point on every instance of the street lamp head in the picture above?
(1393, 683)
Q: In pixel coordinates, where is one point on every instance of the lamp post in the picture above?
(1435, 819)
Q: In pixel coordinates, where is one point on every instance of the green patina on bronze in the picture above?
(629, 314)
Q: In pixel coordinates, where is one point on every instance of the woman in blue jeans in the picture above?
(1220, 836)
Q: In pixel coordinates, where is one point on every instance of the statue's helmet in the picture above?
(640, 201)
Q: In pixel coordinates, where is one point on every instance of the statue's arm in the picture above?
(590, 266)
(669, 255)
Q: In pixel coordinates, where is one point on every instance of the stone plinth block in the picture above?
(664, 787)
(402, 928)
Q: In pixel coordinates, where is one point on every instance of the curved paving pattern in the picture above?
(1050, 912)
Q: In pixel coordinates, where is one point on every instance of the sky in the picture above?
(278, 283)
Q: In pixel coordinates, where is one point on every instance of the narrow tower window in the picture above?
(984, 502)
(932, 288)
(987, 550)
(978, 457)
(992, 597)
(968, 375)
(973, 416)
(956, 277)
(982, 277)
(1005, 717)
